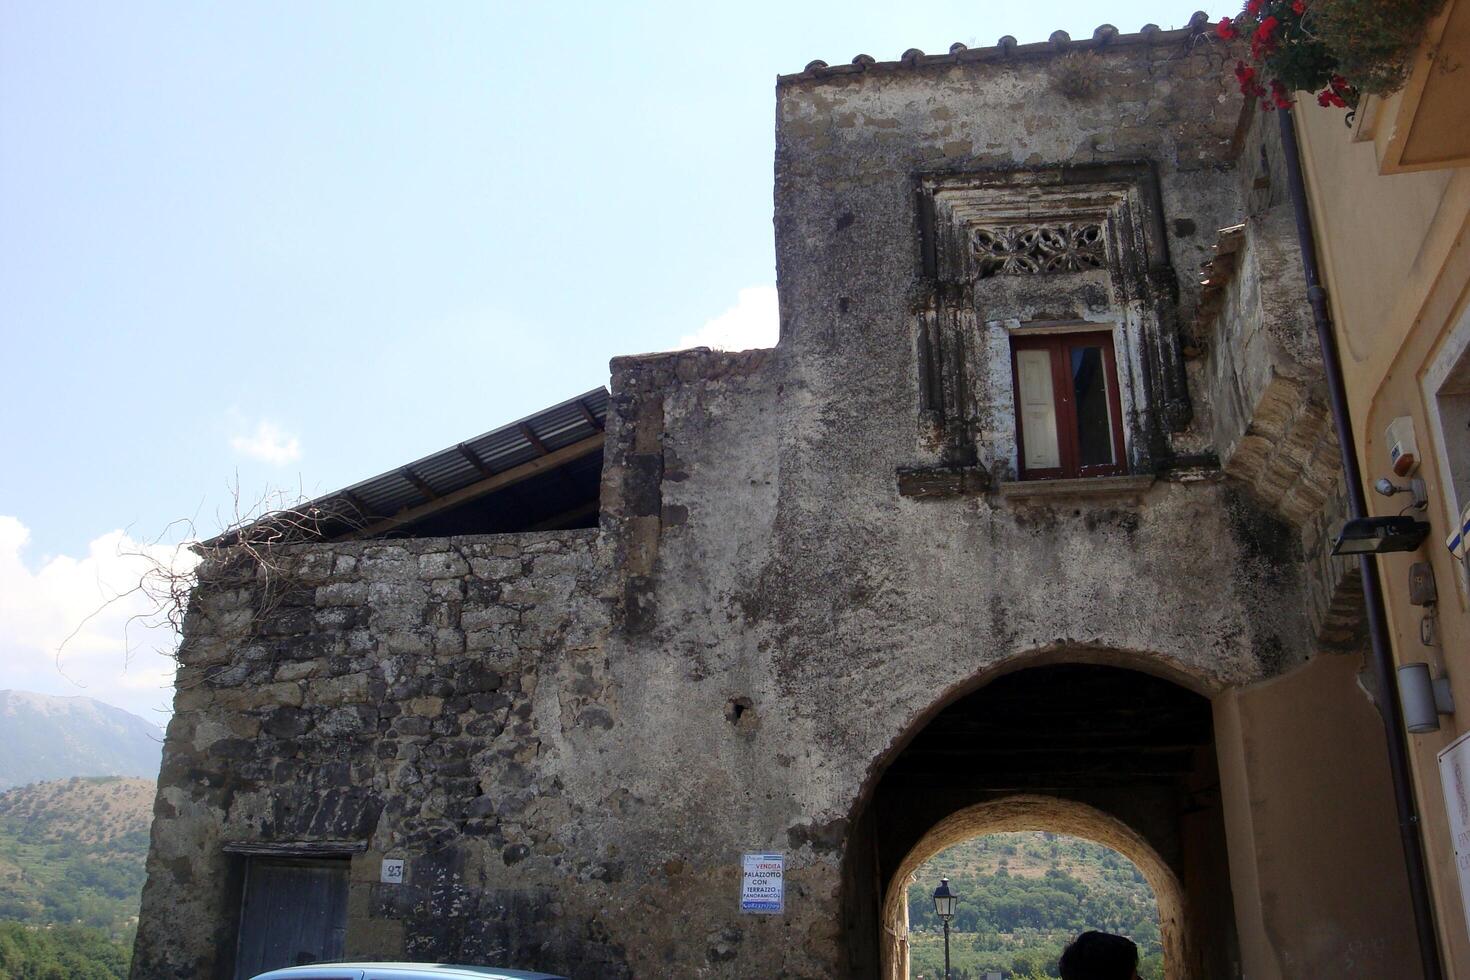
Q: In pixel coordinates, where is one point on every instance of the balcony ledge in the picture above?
(927, 482)
(1086, 488)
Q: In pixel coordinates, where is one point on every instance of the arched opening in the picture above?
(1027, 812)
(1021, 897)
(1106, 753)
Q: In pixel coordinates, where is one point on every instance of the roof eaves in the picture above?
(1106, 36)
(426, 478)
(528, 421)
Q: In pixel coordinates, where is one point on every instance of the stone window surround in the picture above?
(1040, 248)
(993, 339)
(1122, 200)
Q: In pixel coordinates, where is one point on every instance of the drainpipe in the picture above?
(1382, 649)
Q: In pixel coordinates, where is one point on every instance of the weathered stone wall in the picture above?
(1268, 394)
(571, 738)
(795, 581)
(787, 616)
(420, 697)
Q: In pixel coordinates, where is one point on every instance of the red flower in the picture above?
(1263, 41)
(1336, 93)
(1279, 95)
(1226, 30)
(1298, 7)
(1253, 7)
(1246, 75)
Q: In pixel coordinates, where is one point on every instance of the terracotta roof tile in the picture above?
(1007, 47)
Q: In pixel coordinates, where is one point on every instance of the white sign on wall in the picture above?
(1454, 776)
(392, 871)
(762, 884)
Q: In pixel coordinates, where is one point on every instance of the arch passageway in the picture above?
(1033, 812)
(1110, 754)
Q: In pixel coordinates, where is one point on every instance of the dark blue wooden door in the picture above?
(293, 912)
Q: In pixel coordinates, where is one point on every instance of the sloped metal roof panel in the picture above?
(499, 449)
(448, 470)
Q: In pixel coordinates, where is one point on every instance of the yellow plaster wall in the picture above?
(1395, 253)
(1381, 240)
(1315, 864)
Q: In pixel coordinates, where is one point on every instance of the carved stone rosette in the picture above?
(1032, 249)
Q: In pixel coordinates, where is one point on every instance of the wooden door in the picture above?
(292, 912)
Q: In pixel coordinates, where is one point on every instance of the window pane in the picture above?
(1038, 410)
(1094, 421)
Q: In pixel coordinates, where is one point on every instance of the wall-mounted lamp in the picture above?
(1379, 535)
(1416, 487)
(1424, 698)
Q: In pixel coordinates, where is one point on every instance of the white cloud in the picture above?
(79, 625)
(268, 443)
(754, 321)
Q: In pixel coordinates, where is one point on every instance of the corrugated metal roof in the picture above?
(448, 470)
(498, 450)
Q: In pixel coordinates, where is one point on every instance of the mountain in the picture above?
(72, 852)
(45, 737)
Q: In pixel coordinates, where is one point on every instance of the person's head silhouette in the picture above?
(1100, 956)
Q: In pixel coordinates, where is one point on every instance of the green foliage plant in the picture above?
(60, 953)
(1340, 49)
(1374, 41)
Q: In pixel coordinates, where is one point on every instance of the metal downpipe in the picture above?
(1382, 648)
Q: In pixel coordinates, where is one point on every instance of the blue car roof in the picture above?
(401, 971)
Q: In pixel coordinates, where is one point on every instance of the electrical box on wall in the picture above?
(1422, 591)
(1403, 448)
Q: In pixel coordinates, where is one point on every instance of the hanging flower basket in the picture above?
(1339, 49)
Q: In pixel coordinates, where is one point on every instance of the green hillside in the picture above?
(71, 874)
(1022, 897)
(59, 953)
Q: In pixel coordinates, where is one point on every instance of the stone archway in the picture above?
(1103, 751)
(1031, 812)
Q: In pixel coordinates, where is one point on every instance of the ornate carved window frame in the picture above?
(1092, 235)
(1060, 246)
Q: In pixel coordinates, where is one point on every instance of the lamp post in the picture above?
(944, 902)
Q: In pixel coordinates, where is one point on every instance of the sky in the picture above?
(256, 251)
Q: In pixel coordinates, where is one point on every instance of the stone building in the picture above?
(1020, 526)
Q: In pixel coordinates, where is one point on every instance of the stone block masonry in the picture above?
(416, 699)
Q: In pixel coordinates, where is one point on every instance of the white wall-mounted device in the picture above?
(1403, 447)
